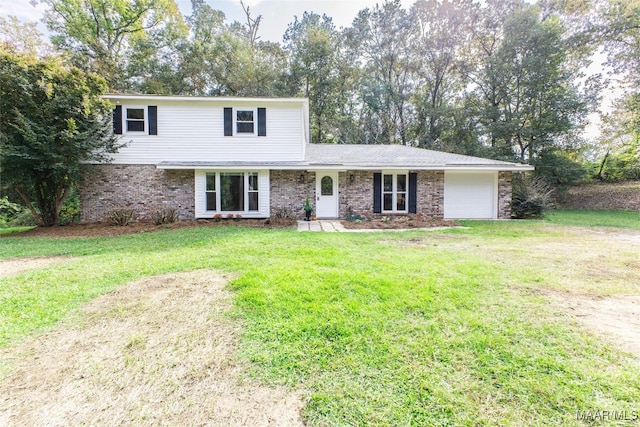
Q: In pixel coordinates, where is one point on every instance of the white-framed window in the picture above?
(245, 121)
(232, 192)
(252, 190)
(135, 119)
(211, 195)
(394, 192)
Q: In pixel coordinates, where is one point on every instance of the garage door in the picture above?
(470, 195)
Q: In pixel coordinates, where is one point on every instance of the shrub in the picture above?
(283, 215)
(8, 210)
(283, 212)
(23, 219)
(217, 217)
(531, 196)
(164, 216)
(120, 216)
(238, 217)
(15, 215)
(70, 210)
(355, 218)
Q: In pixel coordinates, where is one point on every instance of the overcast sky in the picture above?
(276, 14)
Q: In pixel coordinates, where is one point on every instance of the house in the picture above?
(253, 156)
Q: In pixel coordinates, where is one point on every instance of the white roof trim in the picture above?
(116, 97)
(311, 167)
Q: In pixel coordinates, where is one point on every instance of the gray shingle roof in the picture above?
(387, 156)
(352, 156)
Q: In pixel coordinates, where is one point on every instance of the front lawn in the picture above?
(597, 218)
(418, 328)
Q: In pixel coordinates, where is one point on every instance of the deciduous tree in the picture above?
(52, 119)
(314, 46)
(104, 36)
(381, 39)
(530, 101)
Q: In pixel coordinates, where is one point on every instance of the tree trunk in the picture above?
(27, 201)
(599, 176)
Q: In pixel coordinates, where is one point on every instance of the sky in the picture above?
(276, 14)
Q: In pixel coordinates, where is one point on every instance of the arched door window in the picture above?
(326, 186)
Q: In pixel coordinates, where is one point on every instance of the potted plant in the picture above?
(307, 209)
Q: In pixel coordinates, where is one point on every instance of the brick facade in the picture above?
(504, 195)
(355, 196)
(289, 189)
(143, 188)
(431, 193)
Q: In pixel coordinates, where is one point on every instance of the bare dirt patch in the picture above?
(155, 352)
(10, 267)
(614, 318)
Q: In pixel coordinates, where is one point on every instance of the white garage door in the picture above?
(470, 195)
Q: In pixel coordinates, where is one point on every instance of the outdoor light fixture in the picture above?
(352, 178)
(301, 178)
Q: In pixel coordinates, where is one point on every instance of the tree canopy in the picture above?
(498, 78)
(52, 119)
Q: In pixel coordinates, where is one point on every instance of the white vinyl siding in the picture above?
(471, 195)
(194, 131)
(208, 186)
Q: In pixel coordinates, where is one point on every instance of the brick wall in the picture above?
(431, 193)
(288, 192)
(504, 195)
(143, 188)
(357, 197)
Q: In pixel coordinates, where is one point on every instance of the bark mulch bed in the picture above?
(103, 229)
(397, 223)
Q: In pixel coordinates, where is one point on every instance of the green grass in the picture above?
(599, 218)
(13, 230)
(416, 328)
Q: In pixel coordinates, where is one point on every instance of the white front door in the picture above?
(327, 194)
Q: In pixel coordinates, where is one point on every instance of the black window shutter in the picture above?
(413, 192)
(153, 120)
(117, 120)
(262, 122)
(377, 192)
(228, 121)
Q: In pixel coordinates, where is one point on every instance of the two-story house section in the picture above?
(206, 156)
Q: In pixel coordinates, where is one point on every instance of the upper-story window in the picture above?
(135, 119)
(244, 121)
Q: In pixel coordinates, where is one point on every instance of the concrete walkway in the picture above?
(321, 225)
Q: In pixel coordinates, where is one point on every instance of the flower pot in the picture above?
(307, 215)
